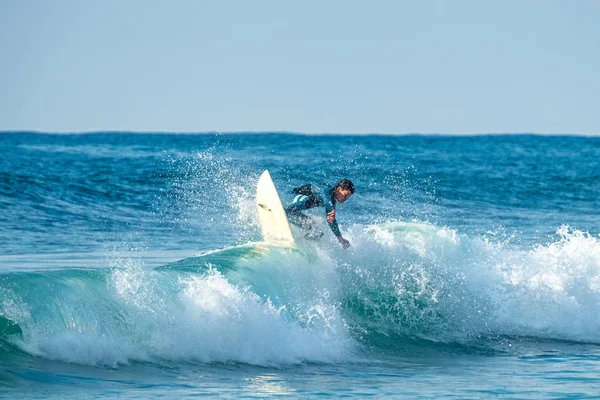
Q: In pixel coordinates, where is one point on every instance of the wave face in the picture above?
(134, 314)
(423, 281)
(402, 283)
(458, 245)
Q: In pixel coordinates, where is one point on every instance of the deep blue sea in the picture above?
(129, 268)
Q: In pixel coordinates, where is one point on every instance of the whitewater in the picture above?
(132, 266)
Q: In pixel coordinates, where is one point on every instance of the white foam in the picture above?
(553, 290)
(224, 322)
(450, 286)
(165, 315)
(284, 307)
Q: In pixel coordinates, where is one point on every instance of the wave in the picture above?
(402, 287)
(132, 313)
(421, 280)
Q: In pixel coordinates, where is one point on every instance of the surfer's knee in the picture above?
(313, 234)
(296, 218)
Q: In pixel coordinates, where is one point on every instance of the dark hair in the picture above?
(346, 184)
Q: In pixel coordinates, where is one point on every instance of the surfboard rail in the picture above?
(274, 224)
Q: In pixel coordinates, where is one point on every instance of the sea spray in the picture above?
(552, 291)
(132, 313)
(420, 280)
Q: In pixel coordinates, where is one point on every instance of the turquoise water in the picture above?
(130, 268)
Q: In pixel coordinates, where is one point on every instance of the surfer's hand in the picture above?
(330, 216)
(344, 242)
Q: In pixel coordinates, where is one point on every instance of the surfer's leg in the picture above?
(297, 218)
(306, 223)
(313, 234)
(293, 211)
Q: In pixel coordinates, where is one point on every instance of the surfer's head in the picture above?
(344, 190)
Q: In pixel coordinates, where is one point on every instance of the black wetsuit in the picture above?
(311, 196)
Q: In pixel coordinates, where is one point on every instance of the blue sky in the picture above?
(310, 66)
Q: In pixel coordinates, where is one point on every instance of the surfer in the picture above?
(311, 196)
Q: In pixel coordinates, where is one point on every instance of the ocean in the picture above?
(129, 267)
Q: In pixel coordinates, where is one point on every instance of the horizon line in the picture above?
(250, 132)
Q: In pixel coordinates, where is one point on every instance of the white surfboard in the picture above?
(273, 221)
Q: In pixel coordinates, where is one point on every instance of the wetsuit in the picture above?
(310, 197)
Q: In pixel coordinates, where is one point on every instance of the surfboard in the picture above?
(273, 221)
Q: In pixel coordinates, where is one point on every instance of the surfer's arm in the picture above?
(344, 242)
(330, 213)
(336, 230)
(331, 216)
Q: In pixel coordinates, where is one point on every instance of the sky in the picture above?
(338, 66)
